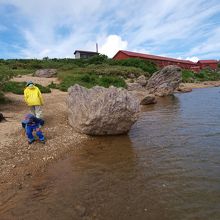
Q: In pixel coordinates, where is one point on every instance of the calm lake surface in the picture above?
(167, 168)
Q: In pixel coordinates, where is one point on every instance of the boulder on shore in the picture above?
(101, 111)
(47, 73)
(165, 81)
(184, 89)
(148, 99)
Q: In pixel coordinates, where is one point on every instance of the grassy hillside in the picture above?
(98, 70)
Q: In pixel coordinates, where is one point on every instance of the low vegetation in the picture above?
(18, 87)
(98, 70)
(203, 75)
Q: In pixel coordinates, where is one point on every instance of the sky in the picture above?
(188, 29)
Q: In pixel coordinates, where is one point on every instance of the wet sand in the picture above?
(20, 161)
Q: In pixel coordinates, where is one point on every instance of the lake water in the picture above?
(167, 167)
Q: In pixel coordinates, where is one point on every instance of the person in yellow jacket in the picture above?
(33, 98)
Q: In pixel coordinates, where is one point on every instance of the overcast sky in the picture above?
(186, 29)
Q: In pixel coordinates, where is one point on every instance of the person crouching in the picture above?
(31, 124)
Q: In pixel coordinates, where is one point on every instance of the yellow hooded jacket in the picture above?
(32, 96)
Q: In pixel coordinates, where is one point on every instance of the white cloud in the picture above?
(210, 47)
(56, 28)
(193, 59)
(112, 44)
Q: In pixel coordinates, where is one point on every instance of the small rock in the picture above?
(150, 99)
(81, 210)
(133, 86)
(141, 80)
(184, 89)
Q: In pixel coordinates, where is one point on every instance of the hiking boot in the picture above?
(42, 142)
(30, 142)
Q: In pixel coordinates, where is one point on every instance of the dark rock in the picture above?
(2, 118)
(150, 99)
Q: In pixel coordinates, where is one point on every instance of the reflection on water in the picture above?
(166, 168)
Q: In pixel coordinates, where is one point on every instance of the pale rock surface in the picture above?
(165, 81)
(101, 111)
(47, 73)
(141, 80)
(133, 86)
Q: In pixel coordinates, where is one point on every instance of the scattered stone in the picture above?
(101, 111)
(131, 75)
(149, 99)
(141, 80)
(133, 86)
(165, 81)
(47, 73)
(184, 89)
(80, 210)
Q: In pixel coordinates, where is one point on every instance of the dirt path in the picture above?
(19, 160)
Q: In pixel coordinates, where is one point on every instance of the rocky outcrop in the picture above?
(47, 73)
(101, 111)
(149, 99)
(165, 81)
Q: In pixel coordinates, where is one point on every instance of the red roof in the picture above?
(207, 61)
(153, 57)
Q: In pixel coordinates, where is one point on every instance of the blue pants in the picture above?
(29, 132)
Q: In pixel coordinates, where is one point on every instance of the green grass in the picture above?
(188, 76)
(18, 87)
(203, 75)
(97, 70)
(88, 81)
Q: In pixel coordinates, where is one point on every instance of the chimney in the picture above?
(97, 50)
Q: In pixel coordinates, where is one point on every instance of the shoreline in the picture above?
(19, 161)
(199, 85)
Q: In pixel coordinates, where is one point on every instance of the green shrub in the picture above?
(90, 80)
(2, 98)
(18, 87)
(145, 65)
(98, 59)
(188, 76)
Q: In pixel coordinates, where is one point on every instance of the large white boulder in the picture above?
(101, 111)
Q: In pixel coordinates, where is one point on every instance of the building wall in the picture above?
(162, 63)
(213, 66)
(77, 55)
(159, 63)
